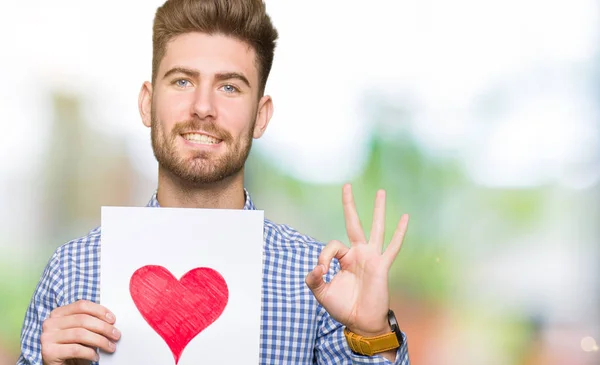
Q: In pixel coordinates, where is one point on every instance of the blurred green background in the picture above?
(480, 119)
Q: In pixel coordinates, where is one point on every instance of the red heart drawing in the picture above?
(178, 310)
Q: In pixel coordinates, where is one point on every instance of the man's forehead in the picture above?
(209, 54)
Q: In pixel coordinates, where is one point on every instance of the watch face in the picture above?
(394, 324)
(392, 319)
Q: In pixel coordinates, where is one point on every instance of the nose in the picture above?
(204, 103)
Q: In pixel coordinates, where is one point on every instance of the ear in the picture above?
(145, 104)
(263, 115)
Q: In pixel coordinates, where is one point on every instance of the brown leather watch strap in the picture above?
(370, 346)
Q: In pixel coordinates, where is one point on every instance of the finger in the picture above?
(378, 227)
(332, 249)
(56, 353)
(314, 281)
(84, 307)
(81, 336)
(353, 226)
(394, 247)
(82, 321)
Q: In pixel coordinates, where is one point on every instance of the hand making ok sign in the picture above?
(358, 295)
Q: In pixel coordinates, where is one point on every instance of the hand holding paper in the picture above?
(75, 331)
(358, 295)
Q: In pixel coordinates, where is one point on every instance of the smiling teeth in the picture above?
(200, 138)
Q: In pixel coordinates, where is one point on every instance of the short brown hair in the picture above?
(245, 20)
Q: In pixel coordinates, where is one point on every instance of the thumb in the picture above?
(314, 281)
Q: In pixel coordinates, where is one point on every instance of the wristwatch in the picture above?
(370, 346)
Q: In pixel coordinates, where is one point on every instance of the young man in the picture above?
(211, 60)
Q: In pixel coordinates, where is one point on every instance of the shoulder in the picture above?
(82, 250)
(285, 244)
(71, 264)
(284, 236)
(84, 244)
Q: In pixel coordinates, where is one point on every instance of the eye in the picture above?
(182, 83)
(230, 89)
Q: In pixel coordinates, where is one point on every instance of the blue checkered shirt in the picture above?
(295, 329)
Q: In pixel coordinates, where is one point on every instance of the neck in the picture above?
(176, 193)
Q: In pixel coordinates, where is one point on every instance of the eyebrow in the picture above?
(222, 76)
(182, 70)
(232, 75)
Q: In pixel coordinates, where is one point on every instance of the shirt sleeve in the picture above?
(45, 298)
(331, 346)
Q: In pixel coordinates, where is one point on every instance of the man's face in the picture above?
(204, 107)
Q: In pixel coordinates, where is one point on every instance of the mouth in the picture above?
(200, 138)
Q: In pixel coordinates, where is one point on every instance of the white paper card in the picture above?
(222, 251)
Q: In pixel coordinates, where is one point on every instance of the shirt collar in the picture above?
(248, 205)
